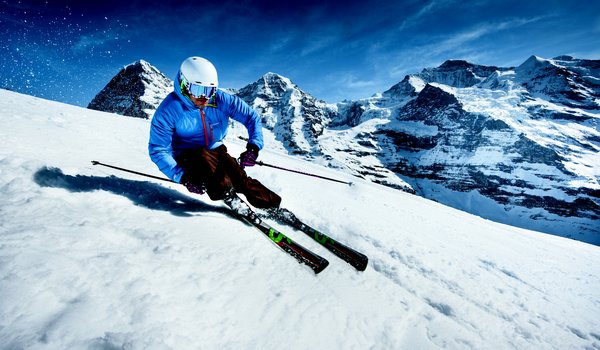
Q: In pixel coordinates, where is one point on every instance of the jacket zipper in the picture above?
(206, 140)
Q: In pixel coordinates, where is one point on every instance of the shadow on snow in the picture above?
(142, 193)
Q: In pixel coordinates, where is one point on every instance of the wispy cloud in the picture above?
(351, 81)
(424, 12)
(339, 85)
(466, 37)
(319, 44)
(465, 43)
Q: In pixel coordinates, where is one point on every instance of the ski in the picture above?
(358, 260)
(301, 254)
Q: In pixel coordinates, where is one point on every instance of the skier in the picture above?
(187, 132)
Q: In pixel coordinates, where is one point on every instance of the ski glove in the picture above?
(248, 157)
(192, 186)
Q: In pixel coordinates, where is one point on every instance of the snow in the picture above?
(341, 147)
(536, 218)
(94, 258)
(417, 82)
(567, 138)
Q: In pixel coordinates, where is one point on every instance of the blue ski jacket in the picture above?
(178, 124)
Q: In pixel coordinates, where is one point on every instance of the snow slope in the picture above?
(92, 258)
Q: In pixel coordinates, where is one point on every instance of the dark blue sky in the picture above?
(68, 51)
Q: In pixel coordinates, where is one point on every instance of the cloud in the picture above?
(438, 48)
(340, 85)
(465, 37)
(351, 81)
(424, 12)
(318, 44)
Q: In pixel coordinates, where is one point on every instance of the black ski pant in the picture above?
(220, 172)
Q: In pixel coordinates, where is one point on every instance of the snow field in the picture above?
(93, 258)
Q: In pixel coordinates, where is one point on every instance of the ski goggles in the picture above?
(197, 90)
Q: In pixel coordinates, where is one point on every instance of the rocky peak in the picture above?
(456, 64)
(534, 65)
(564, 80)
(269, 87)
(429, 105)
(274, 80)
(135, 91)
(296, 117)
(455, 73)
(435, 97)
(407, 88)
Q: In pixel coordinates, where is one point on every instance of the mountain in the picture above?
(528, 138)
(300, 123)
(135, 91)
(295, 117)
(479, 154)
(515, 145)
(518, 145)
(95, 258)
(563, 80)
(456, 73)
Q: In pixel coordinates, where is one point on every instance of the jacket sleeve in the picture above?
(160, 144)
(243, 113)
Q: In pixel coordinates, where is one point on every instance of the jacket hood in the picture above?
(176, 87)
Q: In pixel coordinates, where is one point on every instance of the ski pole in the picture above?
(301, 172)
(95, 162)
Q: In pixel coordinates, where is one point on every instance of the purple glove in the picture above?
(248, 157)
(192, 186)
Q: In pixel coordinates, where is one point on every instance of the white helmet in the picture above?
(200, 71)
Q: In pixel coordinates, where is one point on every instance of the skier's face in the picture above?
(200, 102)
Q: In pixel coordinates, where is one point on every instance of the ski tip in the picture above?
(362, 265)
(317, 269)
(95, 162)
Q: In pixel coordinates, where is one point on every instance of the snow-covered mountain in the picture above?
(299, 122)
(518, 145)
(563, 80)
(135, 91)
(296, 118)
(94, 258)
(456, 73)
(525, 138)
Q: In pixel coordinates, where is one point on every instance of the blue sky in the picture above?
(68, 51)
